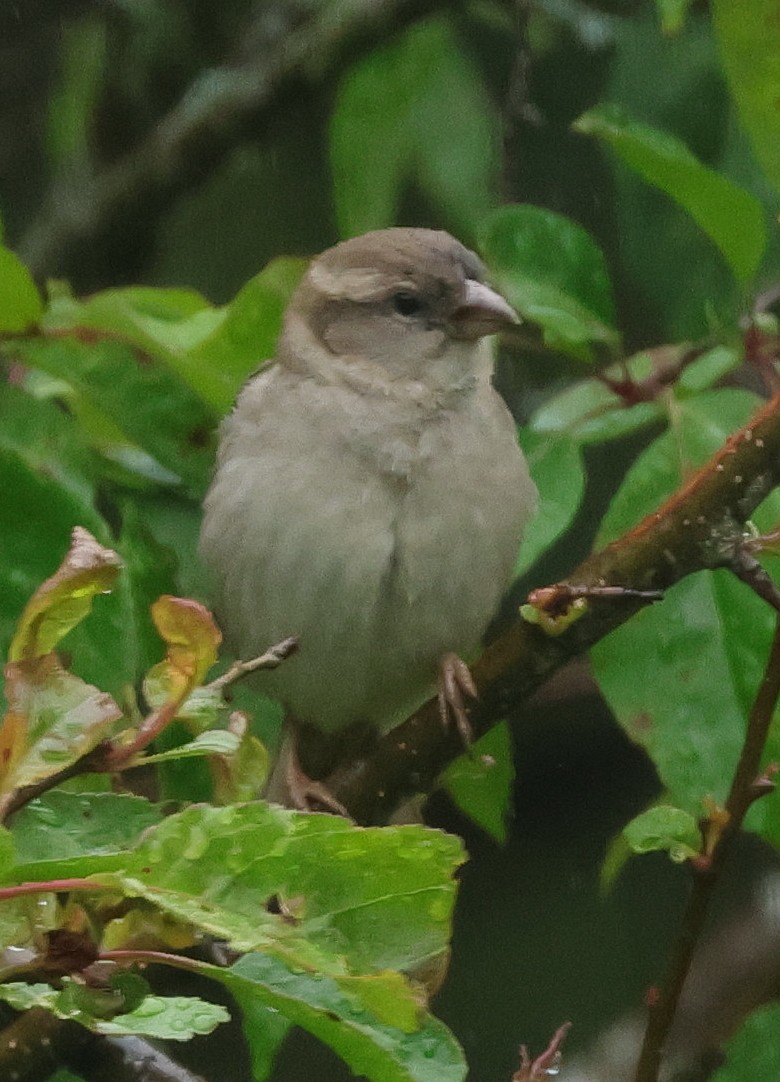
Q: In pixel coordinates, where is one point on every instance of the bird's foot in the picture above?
(455, 682)
(291, 786)
(309, 795)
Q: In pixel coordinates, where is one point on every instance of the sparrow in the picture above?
(370, 495)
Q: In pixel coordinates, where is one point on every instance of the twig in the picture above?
(93, 761)
(546, 1064)
(701, 526)
(746, 787)
(271, 659)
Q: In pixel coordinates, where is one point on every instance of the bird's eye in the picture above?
(406, 304)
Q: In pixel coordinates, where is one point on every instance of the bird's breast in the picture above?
(381, 536)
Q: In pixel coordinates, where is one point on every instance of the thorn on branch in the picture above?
(748, 570)
(765, 783)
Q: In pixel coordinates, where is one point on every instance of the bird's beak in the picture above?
(483, 311)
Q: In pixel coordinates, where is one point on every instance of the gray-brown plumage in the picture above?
(370, 494)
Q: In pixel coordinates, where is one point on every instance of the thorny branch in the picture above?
(702, 526)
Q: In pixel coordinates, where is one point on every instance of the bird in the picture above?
(369, 496)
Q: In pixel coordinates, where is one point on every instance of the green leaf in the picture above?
(20, 303)
(340, 913)
(245, 337)
(212, 742)
(217, 868)
(557, 469)
(708, 638)
(265, 1028)
(414, 111)
(241, 776)
(149, 402)
(748, 47)
(753, 1053)
(708, 370)
(37, 515)
(150, 571)
(328, 1009)
(665, 827)
(672, 13)
(589, 412)
(729, 215)
(166, 1018)
(22, 924)
(480, 781)
(554, 274)
(48, 440)
(699, 425)
(64, 834)
(173, 1018)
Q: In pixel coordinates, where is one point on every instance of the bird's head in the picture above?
(410, 304)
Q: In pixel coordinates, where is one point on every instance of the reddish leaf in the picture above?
(192, 639)
(53, 719)
(63, 601)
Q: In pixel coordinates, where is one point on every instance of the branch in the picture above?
(209, 120)
(702, 526)
(746, 787)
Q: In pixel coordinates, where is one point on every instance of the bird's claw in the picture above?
(309, 795)
(455, 682)
(292, 787)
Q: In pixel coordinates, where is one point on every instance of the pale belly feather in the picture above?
(379, 562)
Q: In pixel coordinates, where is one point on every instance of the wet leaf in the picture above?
(665, 827)
(339, 912)
(173, 1018)
(65, 599)
(64, 834)
(347, 899)
(377, 1050)
(55, 716)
